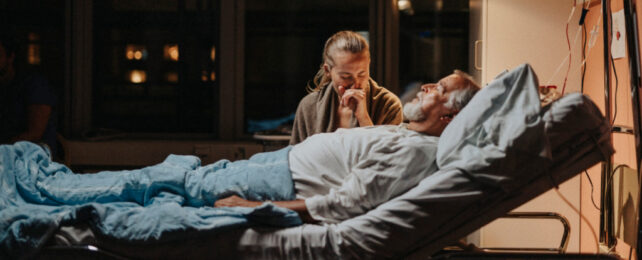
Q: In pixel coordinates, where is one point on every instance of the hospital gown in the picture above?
(346, 173)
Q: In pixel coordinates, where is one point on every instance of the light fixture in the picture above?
(171, 77)
(137, 76)
(170, 52)
(135, 52)
(33, 54)
(405, 6)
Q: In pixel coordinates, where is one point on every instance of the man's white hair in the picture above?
(459, 98)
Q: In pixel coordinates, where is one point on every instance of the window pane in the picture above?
(283, 44)
(433, 40)
(155, 66)
(35, 31)
(38, 28)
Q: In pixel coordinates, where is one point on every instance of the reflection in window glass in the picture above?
(283, 44)
(38, 27)
(433, 41)
(170, 52)
(149, 60)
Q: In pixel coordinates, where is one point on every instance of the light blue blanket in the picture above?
(163, 202)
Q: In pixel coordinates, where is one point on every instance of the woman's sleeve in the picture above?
(299, 132)
(392, 113)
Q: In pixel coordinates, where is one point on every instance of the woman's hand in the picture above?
(236, 201)
(353, 102)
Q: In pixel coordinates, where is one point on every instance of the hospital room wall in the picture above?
(515, 32)
(620, 102)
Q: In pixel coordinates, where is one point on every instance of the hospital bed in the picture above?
(518, 150)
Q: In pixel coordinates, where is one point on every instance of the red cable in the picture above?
(568, 42)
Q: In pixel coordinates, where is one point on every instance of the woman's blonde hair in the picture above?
(340, 41)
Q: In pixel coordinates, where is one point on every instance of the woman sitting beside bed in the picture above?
(344, 95)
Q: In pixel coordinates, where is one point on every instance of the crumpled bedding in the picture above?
(165, 202)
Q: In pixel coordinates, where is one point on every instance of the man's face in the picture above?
(350, 70)
(430, 104)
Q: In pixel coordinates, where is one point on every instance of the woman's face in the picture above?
(350, 70)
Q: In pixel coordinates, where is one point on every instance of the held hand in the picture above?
(236, 201)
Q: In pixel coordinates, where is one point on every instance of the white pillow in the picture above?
(498, 132)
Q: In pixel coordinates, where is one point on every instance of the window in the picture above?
(155, 66)
(204, 68)
(284, 40)
(38, 27)
(433, 40)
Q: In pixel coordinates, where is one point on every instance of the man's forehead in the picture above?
(450, 82)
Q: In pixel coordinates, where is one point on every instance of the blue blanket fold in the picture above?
(143, 206)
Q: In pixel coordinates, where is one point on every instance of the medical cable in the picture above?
(597, 243)
(559, 67)
(614, 71)
(592, 191)
(584, 41)
(570, 57)
(590, 40)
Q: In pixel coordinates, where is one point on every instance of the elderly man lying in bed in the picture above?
(329, 177)
(343, 174)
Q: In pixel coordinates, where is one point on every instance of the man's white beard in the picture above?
(412, 112)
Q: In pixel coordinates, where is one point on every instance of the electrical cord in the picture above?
(610, 179)
(584, 41)
(592, 187)
(614, 69)
(591, 228)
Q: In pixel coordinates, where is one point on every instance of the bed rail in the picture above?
(537, 215)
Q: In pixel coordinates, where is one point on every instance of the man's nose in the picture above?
(426, 87)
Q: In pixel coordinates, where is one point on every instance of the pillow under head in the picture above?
(499, 131)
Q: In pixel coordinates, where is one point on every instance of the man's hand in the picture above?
(296, 205)
(236, 201)
(353, 102)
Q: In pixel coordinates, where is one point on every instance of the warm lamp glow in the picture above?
(208, 76)
(32, 36)
(33, 54)
(171, 76)
(137, 76)
(171, 52)
(135, 52)
(204, 76)
(213, 53)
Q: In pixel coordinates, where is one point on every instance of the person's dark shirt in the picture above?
(22, 91)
